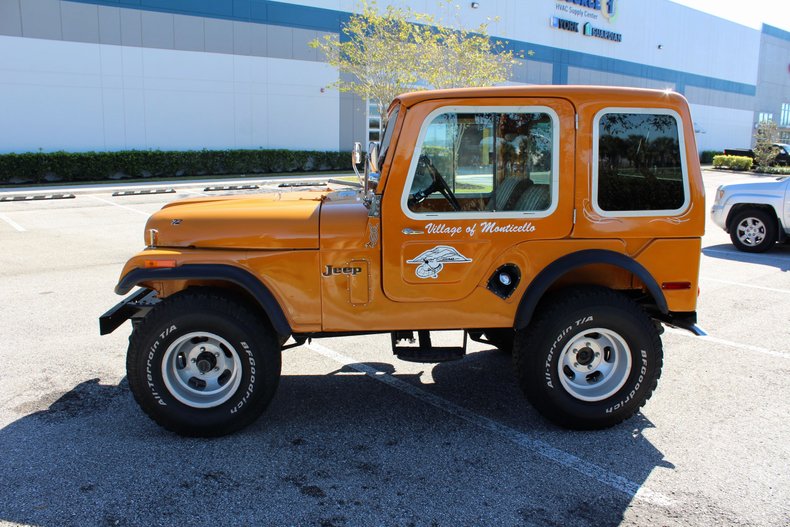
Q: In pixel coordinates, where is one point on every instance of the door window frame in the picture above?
(477, 215)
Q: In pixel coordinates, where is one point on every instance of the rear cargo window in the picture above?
(640, 166)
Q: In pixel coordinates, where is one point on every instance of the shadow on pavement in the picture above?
(778, 256)
(332, 450)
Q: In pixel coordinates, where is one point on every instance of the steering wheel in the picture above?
(438, 184)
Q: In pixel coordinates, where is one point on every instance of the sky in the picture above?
(750, 13)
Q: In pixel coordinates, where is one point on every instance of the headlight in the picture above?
(719, 193)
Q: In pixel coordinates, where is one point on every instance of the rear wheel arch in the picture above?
(549, 276)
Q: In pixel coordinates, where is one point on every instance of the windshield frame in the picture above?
(386, 139)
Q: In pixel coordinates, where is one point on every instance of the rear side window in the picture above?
(640, 167)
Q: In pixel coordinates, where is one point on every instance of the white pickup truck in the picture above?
(756, 215)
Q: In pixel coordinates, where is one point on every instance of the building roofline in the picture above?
(776, 32)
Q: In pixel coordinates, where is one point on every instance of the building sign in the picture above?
(567, 25)
(589, 8)
(591, 31)
(589, 11)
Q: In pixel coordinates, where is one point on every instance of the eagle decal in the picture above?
(431, 262)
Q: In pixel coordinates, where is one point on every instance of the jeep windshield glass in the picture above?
(385, 141)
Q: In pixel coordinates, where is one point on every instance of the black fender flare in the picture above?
(554, 271)
(224, 273)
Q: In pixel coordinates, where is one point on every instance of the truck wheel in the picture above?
(753, 231)
(202, 364)
(589, 360)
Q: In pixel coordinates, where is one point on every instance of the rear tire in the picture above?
(202, 364)
(590, 359)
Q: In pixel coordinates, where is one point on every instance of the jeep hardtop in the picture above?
(561, 224)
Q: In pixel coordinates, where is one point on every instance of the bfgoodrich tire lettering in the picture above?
(202, 364)
(590, 359)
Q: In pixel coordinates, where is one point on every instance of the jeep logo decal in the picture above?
(432, 261)
(331, 270)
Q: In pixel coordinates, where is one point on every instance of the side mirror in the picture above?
(373, 150)
(372, 175)
(356, 154)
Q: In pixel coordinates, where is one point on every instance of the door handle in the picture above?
(411, 232)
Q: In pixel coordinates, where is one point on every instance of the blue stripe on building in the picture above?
(328, 20)
(776, 32)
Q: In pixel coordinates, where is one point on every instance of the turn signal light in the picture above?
(673, 286)
(158, 264)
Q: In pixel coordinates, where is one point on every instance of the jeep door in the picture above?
(484, 175)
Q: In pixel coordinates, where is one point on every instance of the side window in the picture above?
(639, 163)
(484, 161)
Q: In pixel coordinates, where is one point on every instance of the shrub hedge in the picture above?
(781, 171)
(706, 156)
(732, 162)
(96, 166)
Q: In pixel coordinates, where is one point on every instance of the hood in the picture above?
(285, 220)
(773, 185)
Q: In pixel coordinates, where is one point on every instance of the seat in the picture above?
(535, 197)
(508, 192)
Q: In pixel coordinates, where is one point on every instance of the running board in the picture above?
(423, 351)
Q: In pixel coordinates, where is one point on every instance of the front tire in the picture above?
(202, 364)
(753, 231)
(590, 359)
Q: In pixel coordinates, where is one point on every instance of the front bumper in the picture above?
(719, 215)
(135, 306)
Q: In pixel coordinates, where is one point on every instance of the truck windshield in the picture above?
(385, 141)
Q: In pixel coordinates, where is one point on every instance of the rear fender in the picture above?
(557, 269)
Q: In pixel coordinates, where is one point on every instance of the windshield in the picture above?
(385, 141)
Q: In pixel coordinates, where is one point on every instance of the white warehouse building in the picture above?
(107, 75)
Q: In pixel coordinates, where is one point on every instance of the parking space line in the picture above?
(741, 284)
(12, 223)
(730, 343)
(120, 206)
(536, 446)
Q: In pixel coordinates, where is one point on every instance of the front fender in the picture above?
(218, 272)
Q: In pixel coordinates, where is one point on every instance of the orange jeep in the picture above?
(559, 223)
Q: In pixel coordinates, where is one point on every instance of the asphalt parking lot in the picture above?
(356, 437)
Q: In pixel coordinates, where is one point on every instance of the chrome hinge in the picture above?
(153, 238)
(373, 202)
(577, 121)
(574, 216)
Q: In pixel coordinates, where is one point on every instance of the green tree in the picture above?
(454, 57)
(383, 54)
(377, 52)
(764, 138)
